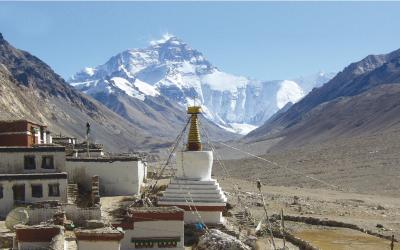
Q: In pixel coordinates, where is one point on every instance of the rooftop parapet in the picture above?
(99, 234)
(34, 148)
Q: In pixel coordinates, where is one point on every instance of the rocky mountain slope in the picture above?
(362, 99)
(31, 89)
(170, 70)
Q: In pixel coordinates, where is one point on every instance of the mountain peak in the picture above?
(170, 68)
(2, 40)
(165, 39)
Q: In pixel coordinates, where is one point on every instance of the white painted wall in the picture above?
(116, 177)
(7, 202)
(33, 245)
(98, 245)
(37, 135)
(194, 164)
(93, 153)
(154, 229)
(13, 162)
(44, 137)
(214, 217)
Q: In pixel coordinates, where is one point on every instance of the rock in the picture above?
(379, 226)
(251, 241)
(229, 206)
(259, 204)
(93, 224)
(295, 200)
(226, 213)
(6, 240)
(216, 240)
(379, 207)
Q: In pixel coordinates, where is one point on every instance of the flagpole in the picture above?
(87, 138)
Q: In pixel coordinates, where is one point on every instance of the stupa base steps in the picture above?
(202, 199)
(207, 213)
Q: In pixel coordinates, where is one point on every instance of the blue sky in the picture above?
(262, 40)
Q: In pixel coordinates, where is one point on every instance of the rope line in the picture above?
(236, 190)
(280, 166)
(167, 163)
(173, 149)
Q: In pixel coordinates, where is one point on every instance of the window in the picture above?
(1, 192)
(48, 162)
(29, 162)
(37, 190)
(54, 190)
(19, 192)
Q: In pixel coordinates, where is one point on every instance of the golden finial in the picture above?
(194, 143)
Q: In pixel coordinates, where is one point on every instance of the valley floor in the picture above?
(365, 211)
(365, 164)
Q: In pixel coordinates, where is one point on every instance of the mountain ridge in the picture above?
(357, 84)
(172, 69)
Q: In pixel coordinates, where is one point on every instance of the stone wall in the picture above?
(76, 214)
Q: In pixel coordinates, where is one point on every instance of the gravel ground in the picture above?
(368, 165)
(363, 210)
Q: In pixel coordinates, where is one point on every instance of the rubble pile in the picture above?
(217, 240)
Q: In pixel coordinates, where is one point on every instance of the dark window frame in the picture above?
(29, 167)
(54, 192)
(19, 190)
(1, 191)
(34, 195)
(44, 165)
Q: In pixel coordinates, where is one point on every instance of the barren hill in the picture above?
(360, 100)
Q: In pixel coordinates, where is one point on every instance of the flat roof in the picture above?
(22, 120)
(35, 148)
(79, 150)
(104, 159)
(62, 137)
(166, 209)
(33, 176)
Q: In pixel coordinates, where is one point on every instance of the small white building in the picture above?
(153, 228)
(119, 175)
(31, 174)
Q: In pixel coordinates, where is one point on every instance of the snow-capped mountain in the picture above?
(169, 68)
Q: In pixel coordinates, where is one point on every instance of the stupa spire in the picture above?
(194, 142)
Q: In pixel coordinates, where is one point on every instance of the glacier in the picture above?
(170, 68)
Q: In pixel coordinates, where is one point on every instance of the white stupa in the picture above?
(193, 188)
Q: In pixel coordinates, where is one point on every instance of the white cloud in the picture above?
(164, 38)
